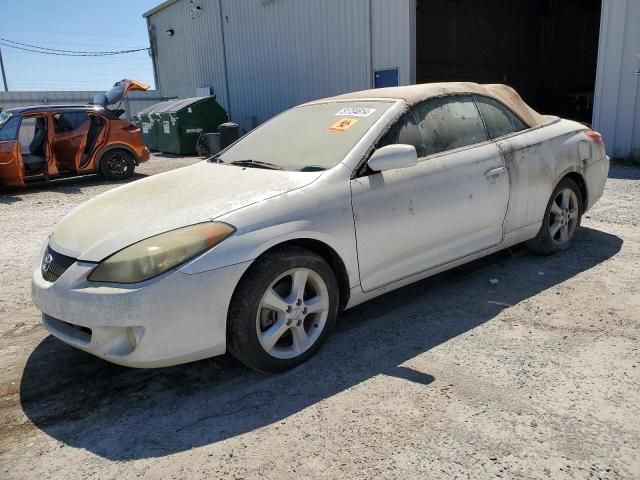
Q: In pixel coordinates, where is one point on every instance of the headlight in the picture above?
(155, 255)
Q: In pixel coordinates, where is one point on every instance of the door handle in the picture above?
(494, 172)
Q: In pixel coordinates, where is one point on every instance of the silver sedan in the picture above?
(323, 207)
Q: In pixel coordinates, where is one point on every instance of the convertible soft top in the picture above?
(413, 94)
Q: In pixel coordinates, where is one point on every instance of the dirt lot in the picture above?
(535, 377)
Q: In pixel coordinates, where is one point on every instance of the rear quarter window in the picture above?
(69, 121)
(499, 119)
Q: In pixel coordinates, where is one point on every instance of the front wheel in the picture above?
(282, 310)
(117, 165)
(561, 219)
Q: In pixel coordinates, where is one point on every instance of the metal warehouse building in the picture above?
(575, 58)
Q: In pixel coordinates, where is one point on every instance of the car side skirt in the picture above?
(520, 235)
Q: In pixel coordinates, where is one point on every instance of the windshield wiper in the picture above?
(256, 164)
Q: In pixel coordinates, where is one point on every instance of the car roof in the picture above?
(413, 94)
(53, 108)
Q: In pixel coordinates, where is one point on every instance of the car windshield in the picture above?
(306, 138)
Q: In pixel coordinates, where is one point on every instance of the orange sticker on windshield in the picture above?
(343, 125)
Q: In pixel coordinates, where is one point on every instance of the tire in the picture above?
(561, 221)
(270, 327)
(117, 165)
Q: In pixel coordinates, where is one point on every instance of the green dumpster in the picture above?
(180, 122)
(149, 126)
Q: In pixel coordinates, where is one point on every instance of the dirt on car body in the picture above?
(533, 376)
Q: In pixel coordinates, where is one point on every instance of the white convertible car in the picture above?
(325, 206)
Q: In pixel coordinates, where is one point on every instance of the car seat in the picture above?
(36, 159)
(36, 147)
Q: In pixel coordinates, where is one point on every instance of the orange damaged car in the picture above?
(39, 143)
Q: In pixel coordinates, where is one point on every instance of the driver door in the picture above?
(10, 157)
(69, 139)
(451, 204)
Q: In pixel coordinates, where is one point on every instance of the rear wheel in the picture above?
(117, 165)
(282, 310)
(561, 219)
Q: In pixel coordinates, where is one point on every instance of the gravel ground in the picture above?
(452, 377)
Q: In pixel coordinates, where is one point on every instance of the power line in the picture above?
(65, 53)
(101, 34)
(85, 44)
(17, 58)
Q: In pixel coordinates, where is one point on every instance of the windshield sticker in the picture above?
(355, 112)
(343, 125)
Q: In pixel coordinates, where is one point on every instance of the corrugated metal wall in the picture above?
(280, 53)
(394, 37)
(192, 57)
(617, 97)
(135, 102)
(286, 52)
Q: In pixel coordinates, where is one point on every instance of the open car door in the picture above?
(10, 163)
(132, 85)
(118, 92)
(70, 129)
(10, 157)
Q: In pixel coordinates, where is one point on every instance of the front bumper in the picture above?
(175, 318)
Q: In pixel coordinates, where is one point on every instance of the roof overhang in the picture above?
(162, 6)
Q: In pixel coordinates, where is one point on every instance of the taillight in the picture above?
(595, 136)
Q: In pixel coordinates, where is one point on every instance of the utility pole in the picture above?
(4, 75)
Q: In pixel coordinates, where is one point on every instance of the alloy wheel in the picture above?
(117, 165)
(564, 216)
(292, 313)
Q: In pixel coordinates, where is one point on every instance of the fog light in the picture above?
(134, 334)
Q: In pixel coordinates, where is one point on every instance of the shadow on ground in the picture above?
(120, 413)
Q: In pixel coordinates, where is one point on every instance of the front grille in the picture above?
(54, 264)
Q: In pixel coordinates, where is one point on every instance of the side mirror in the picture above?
(392, 157)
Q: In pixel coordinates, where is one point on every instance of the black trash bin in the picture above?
(229, 133)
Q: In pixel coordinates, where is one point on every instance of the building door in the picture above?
(545, 49)
(386, 78)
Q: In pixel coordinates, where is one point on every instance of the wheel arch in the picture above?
(580, 181)
(327, 253)
(115, 146)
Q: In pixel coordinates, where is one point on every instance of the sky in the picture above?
(75, 25)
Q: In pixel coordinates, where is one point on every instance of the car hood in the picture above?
(147, 207)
